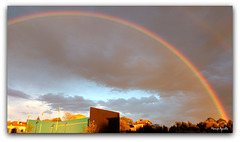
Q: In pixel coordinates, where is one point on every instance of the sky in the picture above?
(81, 62)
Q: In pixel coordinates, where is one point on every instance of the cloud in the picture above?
(157, 109)
(184, 106)
(48, 111)
(106, 53)
(45, 53)
(67, 103)
(19, 109)
(17, 94)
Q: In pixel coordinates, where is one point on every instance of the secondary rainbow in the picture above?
(143, 30)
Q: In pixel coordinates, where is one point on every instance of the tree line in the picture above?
(210, 125)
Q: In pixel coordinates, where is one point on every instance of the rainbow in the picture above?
(206, 27)
(144, 31)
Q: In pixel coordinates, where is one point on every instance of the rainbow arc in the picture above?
(144, 31)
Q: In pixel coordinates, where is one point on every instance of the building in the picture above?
(16, 127)
(70, 126)
(107, 121)
(104, 120)
(140, 124)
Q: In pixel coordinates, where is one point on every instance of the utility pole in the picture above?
(57, 118)
(41, 123)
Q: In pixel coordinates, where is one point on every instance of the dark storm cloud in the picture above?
(113, 55)
(67, 103)
(43, 52)
(17, 94)
(221, 77)
(163, 110)
(185, 33)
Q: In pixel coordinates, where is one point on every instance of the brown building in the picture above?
(107, 121)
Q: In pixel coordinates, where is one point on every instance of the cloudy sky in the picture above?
(79, 62)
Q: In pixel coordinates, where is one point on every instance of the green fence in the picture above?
(70, 126)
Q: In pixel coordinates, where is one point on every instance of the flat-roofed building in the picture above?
(107, 121)
(70, 126)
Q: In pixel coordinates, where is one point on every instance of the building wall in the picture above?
(107, 121)
(19, 129)
(70, 126)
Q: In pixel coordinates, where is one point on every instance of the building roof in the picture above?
(93, 108)
(16, 123)
(142, 122)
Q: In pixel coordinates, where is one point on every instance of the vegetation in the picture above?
(125, 124)
(91, 128)
(56, 119)
(208, 126)
(29, 128)
(67, 116)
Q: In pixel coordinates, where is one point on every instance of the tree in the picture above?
(67, 116)
(125, 124)
(230, 125)
(221, 121)
(29, 128)
(56, 119)
(178, 124)
(211, 124)
(38, 118)
(127, 120)
(230, 122)
(91, 128)
(210, 119)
